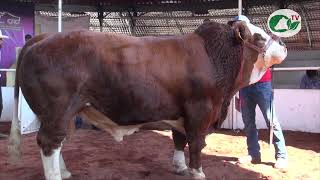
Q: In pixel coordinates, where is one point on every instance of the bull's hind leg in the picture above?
(178, 160)
(54, 166)
(50, 141)
(50, 137)
(53, 131)
(51, 164)
(51, 155)
(65, 174)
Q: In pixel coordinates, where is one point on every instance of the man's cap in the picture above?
(241, 18)
(3, 36)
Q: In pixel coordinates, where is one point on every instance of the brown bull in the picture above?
(121, 83)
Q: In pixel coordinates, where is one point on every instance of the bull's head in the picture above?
(260, 50)
(274, 52)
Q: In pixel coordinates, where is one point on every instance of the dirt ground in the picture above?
(94, 155)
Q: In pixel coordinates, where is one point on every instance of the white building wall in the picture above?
(297, 110)
(7, 100)
(29, 122)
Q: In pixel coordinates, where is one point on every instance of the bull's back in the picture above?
(124, 77)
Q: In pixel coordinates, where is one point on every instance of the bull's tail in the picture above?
(14, 146)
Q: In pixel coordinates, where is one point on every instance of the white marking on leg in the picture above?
(51, 165)
(179, 162)
(65, 174)
(197, 173)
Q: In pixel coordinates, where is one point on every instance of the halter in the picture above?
(254, 47)
(258, 49)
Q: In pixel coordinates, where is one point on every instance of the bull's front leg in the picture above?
(198, 118)
(65, 174)
(195, 146)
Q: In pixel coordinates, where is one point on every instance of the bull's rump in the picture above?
(131, 80)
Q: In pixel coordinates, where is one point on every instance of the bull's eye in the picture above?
(281, 43)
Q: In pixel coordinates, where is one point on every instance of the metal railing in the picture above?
(8, 70)
(295, 68)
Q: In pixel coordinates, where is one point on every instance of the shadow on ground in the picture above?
(301, 140)
(95, 155)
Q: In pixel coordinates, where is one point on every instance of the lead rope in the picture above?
(271, 109)
(273, 37)
(270, 41)
(241, 58)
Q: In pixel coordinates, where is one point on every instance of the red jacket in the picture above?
(266, 77)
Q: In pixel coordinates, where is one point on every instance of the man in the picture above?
(311, 80)
(27, 37)
(1, 105)
(260, 94)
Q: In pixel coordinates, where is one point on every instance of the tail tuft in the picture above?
(14, 148)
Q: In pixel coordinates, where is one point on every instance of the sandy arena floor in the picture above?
(94, 155)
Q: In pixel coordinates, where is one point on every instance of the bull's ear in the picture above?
(230, 23)
(241, 31)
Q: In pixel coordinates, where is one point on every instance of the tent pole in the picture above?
(240, 7)
(60, 16)
(234, 117)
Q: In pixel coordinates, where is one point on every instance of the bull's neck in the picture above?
(224, 53)
(247, 65)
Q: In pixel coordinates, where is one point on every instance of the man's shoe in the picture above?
(249, 159)
(281, 163)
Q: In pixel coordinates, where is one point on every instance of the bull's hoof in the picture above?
(183, 172)
(197, 173)
(65, 174)
(53, 176)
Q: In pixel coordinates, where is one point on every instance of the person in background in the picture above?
(78, 122)
(311, 80)
(1, 103)
(260, 94)
(27, 37)
(206, 20)
(12, 75)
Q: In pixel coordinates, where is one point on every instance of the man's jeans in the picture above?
(260, 93)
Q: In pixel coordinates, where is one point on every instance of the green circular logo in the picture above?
(284, 22)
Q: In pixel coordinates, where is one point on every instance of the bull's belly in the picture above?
(139, 102)
(136, 116)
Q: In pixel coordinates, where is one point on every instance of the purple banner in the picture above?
(16, 21)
